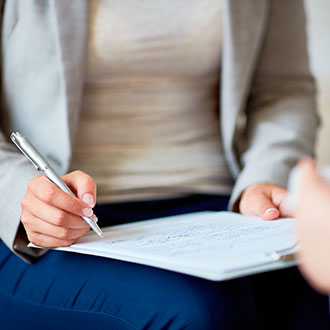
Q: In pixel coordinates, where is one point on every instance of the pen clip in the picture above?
(287, 254)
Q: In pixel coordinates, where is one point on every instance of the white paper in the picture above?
(206, 244)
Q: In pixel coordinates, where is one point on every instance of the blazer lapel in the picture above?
(71, 28)
(244, 27)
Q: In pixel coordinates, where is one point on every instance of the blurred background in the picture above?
(318, 15)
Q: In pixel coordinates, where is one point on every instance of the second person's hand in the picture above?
(51, 217)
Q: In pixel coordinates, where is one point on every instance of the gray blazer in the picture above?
(268, 117)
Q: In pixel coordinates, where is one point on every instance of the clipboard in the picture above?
(211, 245)
(282, 259)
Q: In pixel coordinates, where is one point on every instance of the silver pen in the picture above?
(32, 154)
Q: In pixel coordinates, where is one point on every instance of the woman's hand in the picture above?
(313, 225)
(265, 200)
(51, 217)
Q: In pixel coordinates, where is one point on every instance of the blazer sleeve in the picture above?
(280, 116)
(15, 173)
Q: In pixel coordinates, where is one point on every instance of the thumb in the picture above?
(266, 209)
(262, 200)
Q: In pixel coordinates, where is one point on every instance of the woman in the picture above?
(140, 116)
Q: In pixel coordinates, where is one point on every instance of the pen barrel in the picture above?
(32, 154)
(51, 175)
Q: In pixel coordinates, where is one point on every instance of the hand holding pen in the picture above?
(51, 213)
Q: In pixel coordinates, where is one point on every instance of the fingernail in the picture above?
(89, 199)
(271, 209)
(87, 212)
(95, 218)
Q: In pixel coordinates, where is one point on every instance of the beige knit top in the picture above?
(149, 125)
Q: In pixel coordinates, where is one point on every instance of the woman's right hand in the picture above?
(51, 217)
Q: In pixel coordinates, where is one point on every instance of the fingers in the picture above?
(36, 226)
(50, 194)
(263, 200)
(51, 214)
(267, 210)
(279, 197)
(52, 217)
(46, 241)
(83, 185)
(261, 205)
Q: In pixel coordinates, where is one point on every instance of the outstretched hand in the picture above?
(313, 225)
(265, 200)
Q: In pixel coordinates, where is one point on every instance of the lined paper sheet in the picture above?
(210, 245)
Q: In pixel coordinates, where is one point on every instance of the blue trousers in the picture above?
(72, 291)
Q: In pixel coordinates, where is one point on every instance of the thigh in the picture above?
(118, 213)
(69, 291)
(285, 301)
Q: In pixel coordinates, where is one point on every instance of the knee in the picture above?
(179, 310)
(197, 304)
(203, 304)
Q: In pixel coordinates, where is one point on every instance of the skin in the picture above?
(264, 200)
(313, 226)
(51, 217)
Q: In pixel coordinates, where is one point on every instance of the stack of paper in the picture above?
(211, 245)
